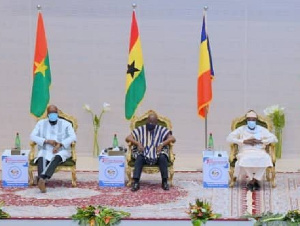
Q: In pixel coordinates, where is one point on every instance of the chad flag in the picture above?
(41, 72)
(135, 78)
(205, 75)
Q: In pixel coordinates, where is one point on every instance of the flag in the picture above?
(205, 74)
(41, 72)
(135, 78)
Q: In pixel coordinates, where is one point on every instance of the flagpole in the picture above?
(205, 129)
(39, 8)
(205, 8)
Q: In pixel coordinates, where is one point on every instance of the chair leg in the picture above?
(171, 170)
(128, 172)
(74, 184)
(232, 178)
(273, 173)
(30, 173)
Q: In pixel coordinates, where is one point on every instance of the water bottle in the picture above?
(210, 142)
(18, 142)
(115, 142)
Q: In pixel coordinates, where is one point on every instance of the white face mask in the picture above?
(251, 124)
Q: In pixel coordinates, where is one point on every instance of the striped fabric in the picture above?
(150, 140)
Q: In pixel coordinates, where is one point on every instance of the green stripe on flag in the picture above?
(135, 94)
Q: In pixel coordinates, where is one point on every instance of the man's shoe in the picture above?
(250, 186)
(135, 186)
(256, 186)
(42, 185)
(165, 186)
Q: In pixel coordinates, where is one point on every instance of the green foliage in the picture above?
(3, 214)
(98, 216)
(201, 212)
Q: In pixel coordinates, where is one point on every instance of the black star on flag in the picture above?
(131, 69)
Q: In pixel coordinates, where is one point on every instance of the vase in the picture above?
(96, 149)
(278, 145)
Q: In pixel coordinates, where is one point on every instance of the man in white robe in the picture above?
(252, 159)
(53, 137)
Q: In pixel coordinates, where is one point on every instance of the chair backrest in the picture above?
(67, 117)
(261, 120)
(137, 121)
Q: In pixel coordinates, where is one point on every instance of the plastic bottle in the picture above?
(18, 142)
(115, 141)
(210, 142)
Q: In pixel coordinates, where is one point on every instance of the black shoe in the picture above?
(250, 186)
(135, 186)
(165, 186)
(256, 186)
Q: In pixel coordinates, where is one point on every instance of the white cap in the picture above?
(251, 114)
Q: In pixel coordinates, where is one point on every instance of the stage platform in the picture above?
(46, 222)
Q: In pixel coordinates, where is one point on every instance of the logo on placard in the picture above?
(215, 174)
(14, 172)
(111, 172)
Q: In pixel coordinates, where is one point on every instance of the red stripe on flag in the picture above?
(41, 42)
(134, 31)
(204, 92)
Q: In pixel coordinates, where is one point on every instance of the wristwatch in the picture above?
(161, 143)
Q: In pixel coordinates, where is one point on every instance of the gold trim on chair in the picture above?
(270, 149)
(63, 166)
(138, 121)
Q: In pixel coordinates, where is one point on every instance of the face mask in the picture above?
(53, 117)
(251, 124)
(150, 126)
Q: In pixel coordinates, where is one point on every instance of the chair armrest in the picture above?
(32, 151)
(73, 151)
(171, 153)
(270, 149)
(234, 149)
(129, 151)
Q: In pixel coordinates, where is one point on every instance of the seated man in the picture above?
(252, 159)
(53, 137)
(150, 142)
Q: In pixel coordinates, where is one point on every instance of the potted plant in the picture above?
(200, 212)
(3, 214)
(98, 216)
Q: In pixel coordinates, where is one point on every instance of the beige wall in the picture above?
(256, 55)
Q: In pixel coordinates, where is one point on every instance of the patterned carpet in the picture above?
(150, 201)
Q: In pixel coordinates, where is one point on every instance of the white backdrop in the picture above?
(256, 54)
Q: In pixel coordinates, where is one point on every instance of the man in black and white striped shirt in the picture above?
(150, 141)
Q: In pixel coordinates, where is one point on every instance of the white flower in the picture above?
(87, 108)
(272, 109)
(106, 106)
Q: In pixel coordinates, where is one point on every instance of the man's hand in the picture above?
(159, 148)
(252, 141)
(56, 148)
(51, 142)
(140, 147)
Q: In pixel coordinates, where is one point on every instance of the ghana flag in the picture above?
(41, 72)
(135, 78)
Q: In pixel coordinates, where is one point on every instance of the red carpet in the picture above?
(150, 202)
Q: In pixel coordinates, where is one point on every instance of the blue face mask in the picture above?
(150, 126)
(53, 117)
(251, 124)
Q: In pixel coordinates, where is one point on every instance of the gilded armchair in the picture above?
(234, 149)
(139, 121)
(68, 165)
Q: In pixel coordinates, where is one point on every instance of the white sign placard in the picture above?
(111, 171)
(215, 169)
(15, 169)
